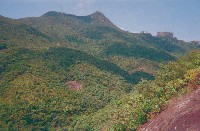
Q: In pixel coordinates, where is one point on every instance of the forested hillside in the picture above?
(61, 71)
(148, 98)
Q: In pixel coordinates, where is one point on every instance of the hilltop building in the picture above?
(195, 42)
(165, 34)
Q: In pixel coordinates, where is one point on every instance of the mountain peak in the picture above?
(2, 17)
(101, 18)
(52, 13)
(97, 13)
(98, 16)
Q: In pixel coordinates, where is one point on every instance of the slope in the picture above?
(182, 114)
(148, 98)
(16, 34)
(35, 94)
(98, 36)
(40, 56)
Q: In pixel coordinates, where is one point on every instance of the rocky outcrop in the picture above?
(181, 115)
(75, 86)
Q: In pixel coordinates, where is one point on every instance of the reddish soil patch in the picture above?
(141, 68)
(73, 85)
(181, 115)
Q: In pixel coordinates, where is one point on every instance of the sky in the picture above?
(182, 17)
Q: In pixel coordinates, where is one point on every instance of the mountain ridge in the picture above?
(96, 17)
(102, 40)
(117, 72)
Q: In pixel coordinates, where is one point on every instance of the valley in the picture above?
(65, 72)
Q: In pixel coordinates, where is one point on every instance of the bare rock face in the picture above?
(182, 115)
(75, 86)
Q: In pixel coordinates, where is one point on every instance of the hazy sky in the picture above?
(182, 17)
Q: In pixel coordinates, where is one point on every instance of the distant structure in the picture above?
(165, 34)
(195, 42)
(145, 32)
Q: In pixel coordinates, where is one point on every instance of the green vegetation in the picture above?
(117, 71)
(138, 52)
(148, 97)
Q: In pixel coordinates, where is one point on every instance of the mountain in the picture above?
(97, 35)
(97, 17)
(60, 70)
(150, 100)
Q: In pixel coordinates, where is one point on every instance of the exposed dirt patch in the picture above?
(58, 44)
(73, 85)
(140, 68)
(181, 115)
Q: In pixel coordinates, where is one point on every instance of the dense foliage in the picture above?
(148, 97)
(35, 82)
(40, 56)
